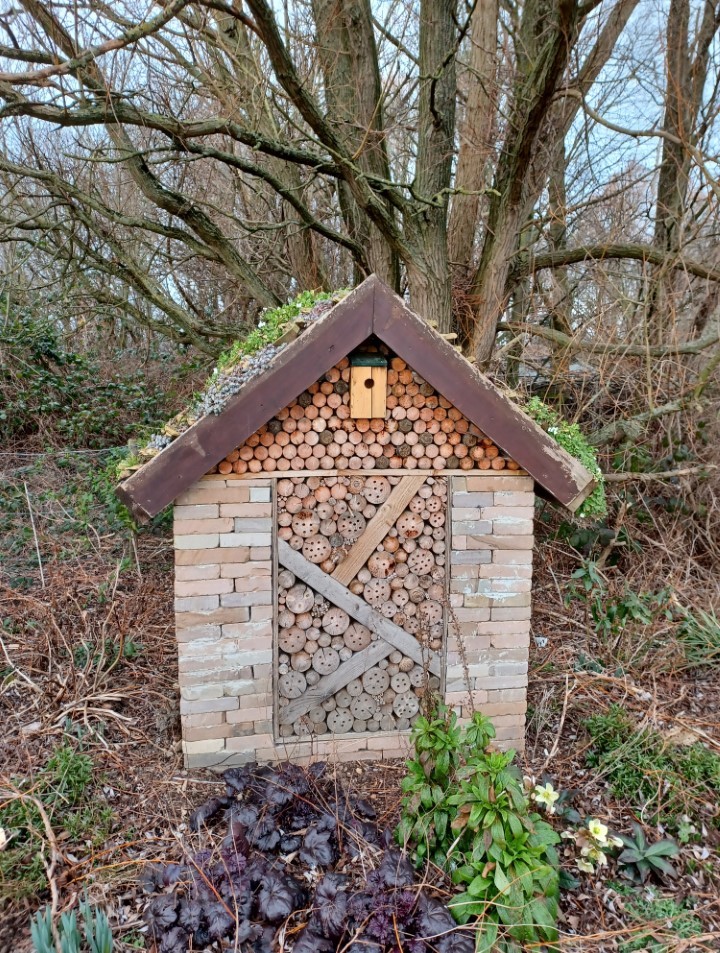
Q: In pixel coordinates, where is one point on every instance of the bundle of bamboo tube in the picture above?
(421, 429)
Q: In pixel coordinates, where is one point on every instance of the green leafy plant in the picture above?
(640, 859)
(572, 439)
(665, 921)
(699, 637)
(635, 759)
(96, 931)
(61, 787)
(464, 809)
(272, 326)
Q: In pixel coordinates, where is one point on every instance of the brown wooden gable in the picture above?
(372, 308)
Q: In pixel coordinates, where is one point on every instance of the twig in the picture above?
(658, 475)
(35, 535)
(563, 713)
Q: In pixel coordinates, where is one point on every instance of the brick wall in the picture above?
(490, 582)
(224, 619)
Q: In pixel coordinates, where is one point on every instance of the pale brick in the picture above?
(497, 696)
(503, 669)
(209, 704)
(247, 584)
(233, 599)
(197, 541)
(248, 714)
(456, 600)
(251, 656)
(511, 640)
(505, 708)
(240, 688)
(252, 525)
(207, 734)
(208, 746)
(195, 693)
(471, 500)
(512, 557)
(197, 603)
(259, 494)
(262, 727)
(202, 587)
(465, 513)
(469, 558)
(200, 671)
(462, 697)
(262, 670)
(498, 483)
(261, 613)
(219, 616)
(495, 513)
(194, 573)
(242, 631)
(198, 496)
(507, 572)
(505, 498)
(200, 527)
(243, 730)
(333, 746)
(206, 632)
(259, 553)
(204, 511)
(504, 681)
(516, 614)
(220, 761)
(236, 570)
(471, 528)
(499, 540)
(191, 557)
(244, 539)
(246, 509)
(256, 700)
(207, 719)
(510, 526)
(249, 743)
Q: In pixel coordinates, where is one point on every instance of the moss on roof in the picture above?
(244, 360)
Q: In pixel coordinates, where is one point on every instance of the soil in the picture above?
(124, 714)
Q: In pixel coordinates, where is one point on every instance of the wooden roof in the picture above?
(372, 308)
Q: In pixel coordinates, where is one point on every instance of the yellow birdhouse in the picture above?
(368, 385)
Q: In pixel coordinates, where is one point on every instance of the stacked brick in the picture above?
(490, 581)
(421, 430)
(224, 617)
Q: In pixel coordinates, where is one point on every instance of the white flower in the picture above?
(598, 831)
(585, 866)
(615, 842)
(4, 838)
(546, 795)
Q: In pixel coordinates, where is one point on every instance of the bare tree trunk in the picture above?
(353, 90)
(476, 134)
(428, 272)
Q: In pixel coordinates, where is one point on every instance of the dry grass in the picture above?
(121, 707)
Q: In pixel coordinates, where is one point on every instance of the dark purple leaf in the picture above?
(317, 770)
(435, 923)
(328, 822)
(245, 815)
(219, 920)
(317, 849)
(263, 941)
(330, 905)
(394, 870)
(289, 780)
(190, 915)
(289, 843)
(276, 899)
(311, 942)
(257, 870)
(161, 913)
(201, 815)
(237, 779)
(265, 834)
(363, 946)
(363, 808)
(174, 941)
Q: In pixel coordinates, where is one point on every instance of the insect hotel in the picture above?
(353, 529)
